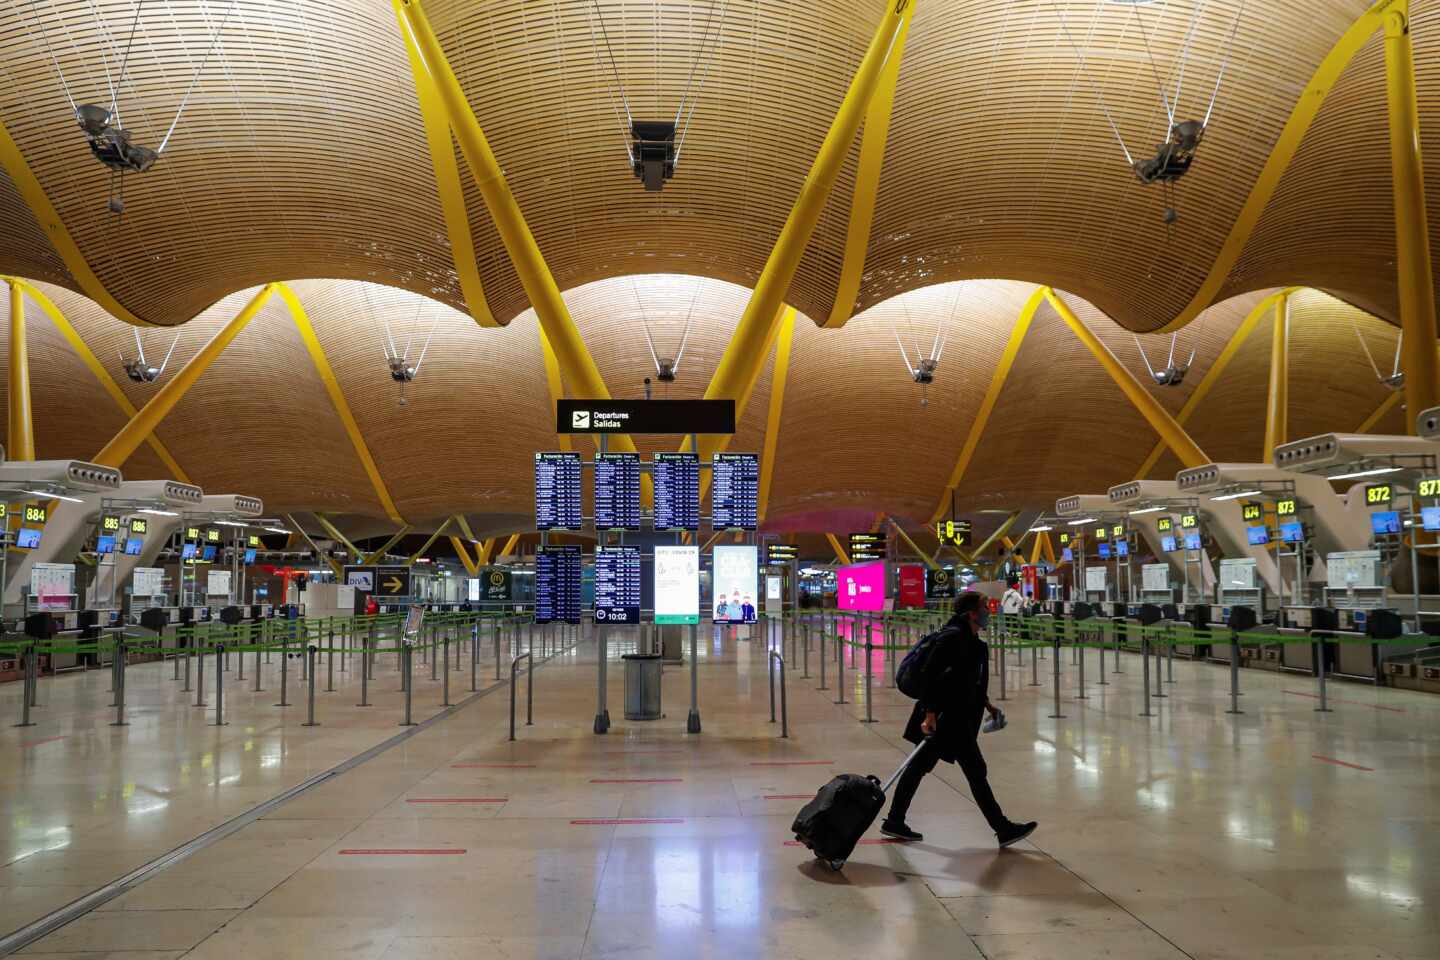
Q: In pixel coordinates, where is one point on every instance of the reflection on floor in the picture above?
(1280, 833)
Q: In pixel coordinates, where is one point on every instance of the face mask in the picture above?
(983, 618)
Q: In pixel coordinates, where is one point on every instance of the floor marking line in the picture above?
(620, 822)
(787, 796)
(36, 743)
(868, 842)
(75, 909)
(792, 763)
(638, 780)
(442, 852)
(1353, 703)
(1341, 763)
(459, 800)
(492, 766)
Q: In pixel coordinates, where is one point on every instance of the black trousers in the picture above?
(972, 764)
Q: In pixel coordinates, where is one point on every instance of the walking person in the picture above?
(946, 719)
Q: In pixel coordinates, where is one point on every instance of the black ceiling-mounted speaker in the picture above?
(653, 152)
(1173, 157)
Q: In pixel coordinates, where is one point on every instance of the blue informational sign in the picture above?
(27, 538)
(1192, 541)
(132, 546)
(249, 556)
(1068, 555)
(209, 554)
(1292, 532)
(1104, 551)
(105, 544)
(187, 552)
(1258, 536)
(1385, 523)
(1430, 518)
(1167, 544)
(1122, 548)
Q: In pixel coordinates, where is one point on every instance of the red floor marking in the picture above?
(459, 800)
(791, 763)
(788, 796)
(640, 780)
(610, 822)
(446, 852)
(36, 743)
(1341, 763)
(869, 843)
(497, 766)
(1353, 703)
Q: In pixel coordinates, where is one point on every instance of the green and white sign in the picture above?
(677, 584)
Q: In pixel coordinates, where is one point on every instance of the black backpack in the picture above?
(910, 676)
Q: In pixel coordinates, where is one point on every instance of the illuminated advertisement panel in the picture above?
(735, 577)
(861, 587)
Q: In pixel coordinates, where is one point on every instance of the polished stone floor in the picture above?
(1278, 833)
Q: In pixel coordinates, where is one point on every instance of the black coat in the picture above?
(956, 688)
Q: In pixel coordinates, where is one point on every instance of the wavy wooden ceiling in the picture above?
(302, 152)
(855, 439)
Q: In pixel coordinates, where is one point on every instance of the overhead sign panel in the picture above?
(779, 554)
(617, 491)
(617, 584)
(955, 533)
(867, 546)
(557, 491)
(392, 581)
(735, 491)
(677, 584)
(557, 584)
(677, 491)
(672, 417)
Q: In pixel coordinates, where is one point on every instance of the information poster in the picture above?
(617, 491)
(495, 586)
(617, 584)
(677, 584)
(735, 576)
(557, 491)
(557, 584)
(1155, 577)
(861, 587)
(148, 582)
(774, 594)
(912, 585)
(217, 583)
(940, 584)
(1095, 579)
(735, 491)
(472, 590)
(52, 585)
(677, 491)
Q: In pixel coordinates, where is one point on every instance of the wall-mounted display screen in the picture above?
(187, 552)
(1068, 555)
(1104, 551)
(1167, 544)
(557, 491)
(862, 587)
(249, 556)
(735, 491)
(617, 491)
(1384, 523)
(677, 584)
(1122, 548)
(209, 555)
(27, 539)
(133, 546)
(1292, 532)
(735, 577)
(105, 543)
(1258, 536)
(1430, 518)
(779, 554)
(617, 584)
(34, 513)
(1192, 541)
(677, 491)
(557, 584)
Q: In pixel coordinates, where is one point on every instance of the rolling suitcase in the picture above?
(833, 823)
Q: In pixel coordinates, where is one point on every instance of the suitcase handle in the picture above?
(896, 775)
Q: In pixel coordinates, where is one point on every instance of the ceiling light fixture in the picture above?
(1378, 471)
(1141, 513)
(54, 496)
(1236, 496)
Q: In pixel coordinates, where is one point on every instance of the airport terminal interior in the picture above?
(547, 479)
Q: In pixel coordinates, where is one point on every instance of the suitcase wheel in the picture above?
(836, 865)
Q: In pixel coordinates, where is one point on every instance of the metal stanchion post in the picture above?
(1035, 656)
(220, 685)
(407, 676)
(497, 649)
(330, 660)
(1100, 638)
(30, 664)
(199, 673)
(1057, 715)
(692, 722)
(284, 669)
(474, 656)
(805, 654)
(259, 642)
(1234, 674)
(1159, 686)
(1080, 661)
(530, 692)
(310, 705)
(120, 720)
(189, 653)
(514, 675)
(364, 671)
(435, 652)
(1320, 676)
(770, 673)
(869, 679)
(822, 658)
(1170, 661)
(1000, 640)
(839, 664)
(445, 689)
(775, 657)
(1145, 672)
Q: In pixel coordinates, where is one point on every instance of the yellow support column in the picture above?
(929, 560)
(118, 450)
(433, 537)
(535, 277)
(1412, 231)
(777, 406)
(840, 553)
(463, 552)
(1277, 409)
(20, 442)
(510, 544)
(399, 535)
(1171, 432)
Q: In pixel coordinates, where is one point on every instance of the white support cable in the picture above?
(125, 62)
(623, 121)
(173, 343)
(689, 321)
(45, 37)
(1399, 342)
(214, 41)
(1185, 50)
(704, 76)
(425, 349)
(645, 323)
(1141, 349)
(1099, 94)
(105, 61)
(139, 347)
(1154, 68)
(1224, 64)
(904, 354)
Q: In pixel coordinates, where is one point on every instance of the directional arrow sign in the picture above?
(392, 583)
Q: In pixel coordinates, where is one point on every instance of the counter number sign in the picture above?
(212, 536)
(1285, 508)
(192, 533)
(1253, 511)
(137, 525)
(1165, 524)
(1101, 533)
(254, 541)
(1118, 530)
(1430, 487)
(110, 524)
(35, 513)
(1378, 494)
(1189, 521)
(1064, 539)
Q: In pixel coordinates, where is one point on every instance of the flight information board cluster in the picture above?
(557, 491)
(557, 584)
(677, 491)
(617, 584)
(617, 491)
(735, 491)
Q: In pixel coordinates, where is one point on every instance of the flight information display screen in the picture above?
(1258, 536)
(1192, 541)
(105, 544)
(617, 491)
(1122, 548)
(132, 547)
(735, 491)
(1104, 551)
(557, 584)
(249, 555)
(617, 584)
(1430, 518)
(27, 539)
(557, 491)
(1167, 544)
(1292, 532)
(677, 491)
(1385, 523)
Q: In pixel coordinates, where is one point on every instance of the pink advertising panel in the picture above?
(862, 586)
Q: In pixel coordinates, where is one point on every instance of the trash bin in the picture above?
(642, 686)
